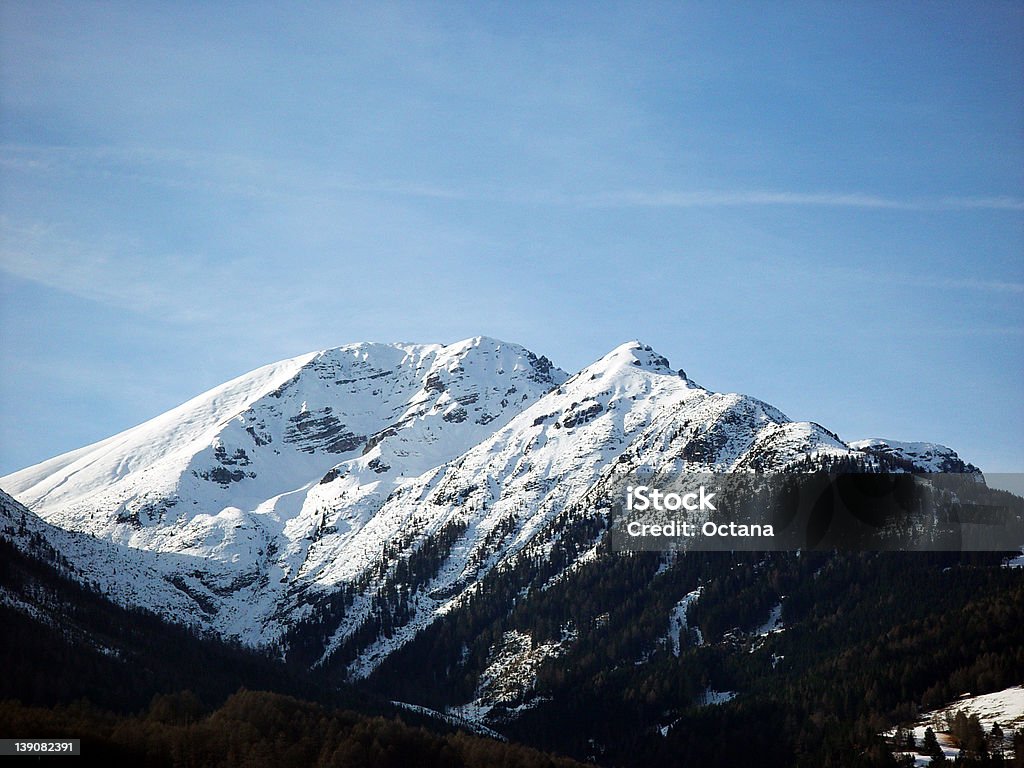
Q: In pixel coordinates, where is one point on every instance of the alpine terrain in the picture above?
(429, 524)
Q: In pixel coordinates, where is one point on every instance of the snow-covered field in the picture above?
(1005, 707)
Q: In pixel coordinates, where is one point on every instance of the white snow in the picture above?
(773, 623)
(677, 622)
(469, 724)
(512, 673)
(147, 489)
(929, 457)
(1005, 707)
(334, 466)
(711, 697)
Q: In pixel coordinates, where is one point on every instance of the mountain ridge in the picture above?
(397, 476)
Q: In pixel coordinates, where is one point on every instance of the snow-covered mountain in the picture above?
(128, 576)
(357, 494)
(921, 457)
(228, 485)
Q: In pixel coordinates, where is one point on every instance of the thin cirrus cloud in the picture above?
(118, 272)
(739, 198)
(997, 286)
(250, 177)
(122, 274)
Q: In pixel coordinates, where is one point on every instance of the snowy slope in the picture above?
(71, 479)
(397, 475)
(925, 457)
(227, 484)
(128, 577)
(1005, 707)
(678, 622)
(558, 459)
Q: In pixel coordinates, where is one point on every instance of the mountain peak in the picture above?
(917, 456)
(375, 470)
(637, 354)
(480, 341)
(489, 345)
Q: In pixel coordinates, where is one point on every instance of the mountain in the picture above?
(138, 690)
(246, 508)
(431, 522)
(248, 504)
(226, 488)
(64, 640)
(917, 457)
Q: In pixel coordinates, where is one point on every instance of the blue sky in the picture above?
(818, 204)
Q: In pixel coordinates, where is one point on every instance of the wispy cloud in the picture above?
(965, 332)
(238, 175)
(113, 272)
(970, 284)
(753, 198)
(924, 281)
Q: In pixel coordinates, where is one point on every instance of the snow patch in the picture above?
(773, 624)
(511, 674)
(712, 698)
(461, 722)
(1005, 707)
(677, 622)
